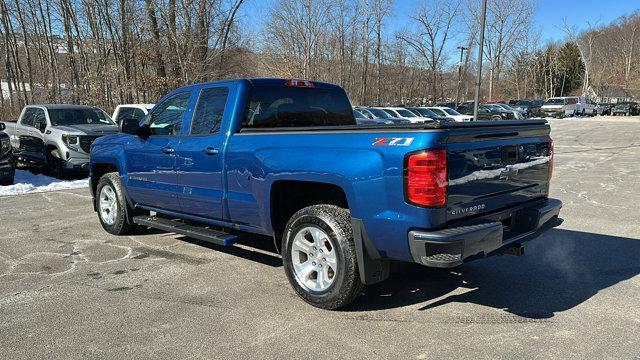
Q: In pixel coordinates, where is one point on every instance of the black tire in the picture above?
(122, 224)
(7, 180)
(335, 222)
(55, 167)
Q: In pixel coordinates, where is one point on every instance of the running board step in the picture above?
(179, 227)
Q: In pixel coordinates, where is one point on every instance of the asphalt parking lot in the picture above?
(70, 290)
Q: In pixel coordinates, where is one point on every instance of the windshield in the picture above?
(358, 115)
(427, 112)
(379, 113)
(554, 101)
(406, 113)
(79, 116)
(505, 106)
(451, 111)
(522, 103)
(439, 112)
(495, 107)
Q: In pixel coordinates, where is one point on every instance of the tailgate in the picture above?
(494, 168)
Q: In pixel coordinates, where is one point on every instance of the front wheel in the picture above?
(112, 205)
(319, 256)
(55, 165)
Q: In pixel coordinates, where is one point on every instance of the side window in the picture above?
(166, 118)
(209, 111)
(137, 114)
(39, 119)
(28, 118)
(124, 113)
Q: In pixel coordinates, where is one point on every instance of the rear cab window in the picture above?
(209, 111)
(286, 107)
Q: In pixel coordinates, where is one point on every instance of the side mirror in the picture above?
(40, 125)
(130, 126)
(2, 126)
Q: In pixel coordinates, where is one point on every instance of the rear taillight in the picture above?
(426, 178)
(299, 83)
(550, 159)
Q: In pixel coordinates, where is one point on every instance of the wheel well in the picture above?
(287, 197)
(50, 148)
(98, 170)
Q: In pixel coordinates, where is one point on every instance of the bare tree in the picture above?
(434, 21)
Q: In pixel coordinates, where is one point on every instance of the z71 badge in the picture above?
(403, 141)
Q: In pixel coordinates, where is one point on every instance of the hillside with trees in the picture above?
(106, 52)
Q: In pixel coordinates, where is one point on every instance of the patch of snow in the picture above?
(26, 182)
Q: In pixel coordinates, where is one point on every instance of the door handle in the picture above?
(168, 150)
(210, 151)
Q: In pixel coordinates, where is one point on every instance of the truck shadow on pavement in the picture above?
(254, 248)
(560, 270)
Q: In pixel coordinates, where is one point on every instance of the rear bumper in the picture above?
(452, 246)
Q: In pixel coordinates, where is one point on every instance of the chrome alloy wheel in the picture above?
(314, 259)
(108, 205)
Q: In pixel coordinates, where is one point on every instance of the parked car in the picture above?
(427, 113)
(567, 106)
(58, 137)
(450, 105)
(136, 111)
(361, 119)
(375, 113)
(625, 108)
(604, 108)
(485, 111)
(403, 113)
(530, 108)
(7, 164)
(465, 108)
(517, 114)
(448, 112)
(494, 112)
(341, 202)
(585, 106)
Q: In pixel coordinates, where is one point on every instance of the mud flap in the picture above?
(372, 267)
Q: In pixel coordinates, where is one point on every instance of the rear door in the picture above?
(490, 168)
(151, 162)
(200, 155)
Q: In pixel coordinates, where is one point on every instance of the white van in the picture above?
(568, 106)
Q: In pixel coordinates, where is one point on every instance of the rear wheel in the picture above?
(319, 256)
(496, 117)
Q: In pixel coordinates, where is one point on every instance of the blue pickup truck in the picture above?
(286, 159)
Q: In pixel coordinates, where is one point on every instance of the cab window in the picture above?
(166, 118)
(29, 117)
(209, 111)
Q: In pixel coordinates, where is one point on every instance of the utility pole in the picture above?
(483, 19)
(462, 49)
